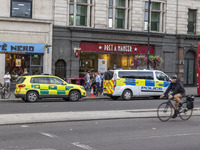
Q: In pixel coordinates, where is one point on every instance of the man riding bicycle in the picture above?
(177, 93)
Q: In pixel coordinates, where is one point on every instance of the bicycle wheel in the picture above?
(164, 111)
(7, 93)
(185, 113)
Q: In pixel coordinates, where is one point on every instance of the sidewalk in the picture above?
(13, 119)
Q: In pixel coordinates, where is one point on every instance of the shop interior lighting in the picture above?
(16, 8)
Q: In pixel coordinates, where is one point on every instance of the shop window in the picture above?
(192, 21)
(21, 8)
(157, 15)
(118, 14)
(36, 60)
(80, 12)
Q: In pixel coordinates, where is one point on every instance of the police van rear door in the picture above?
(108, 83)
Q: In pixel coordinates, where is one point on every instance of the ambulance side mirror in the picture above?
(64, 83)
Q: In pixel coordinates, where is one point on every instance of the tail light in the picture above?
(114, 84)
(21, 85)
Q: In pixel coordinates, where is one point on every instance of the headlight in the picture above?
(82, 88)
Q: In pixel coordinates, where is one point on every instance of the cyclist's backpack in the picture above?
(190, 102)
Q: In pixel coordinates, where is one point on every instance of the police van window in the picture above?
(127, 74)
(55, 81)
(40, 80)
(145, 75)
(161, 76)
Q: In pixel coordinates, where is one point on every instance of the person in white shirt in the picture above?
(88, 81)
(7, 78)
(98, 83)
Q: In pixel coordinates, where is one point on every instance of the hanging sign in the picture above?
(102, 65)
(18, 62)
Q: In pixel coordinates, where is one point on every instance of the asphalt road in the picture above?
(131, 134)
(18, 106)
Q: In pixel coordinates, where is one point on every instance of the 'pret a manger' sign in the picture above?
(115, 48)
(7, 47)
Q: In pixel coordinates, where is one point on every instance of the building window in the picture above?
(80, 12)
(156, 16)
(21, 8)
(118, 14)
(192, 21)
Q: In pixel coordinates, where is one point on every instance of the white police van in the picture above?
(135, 83)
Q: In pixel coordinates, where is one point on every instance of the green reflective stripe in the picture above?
(35, 86)
(68, 87)
(44, 91)
(61, 92)
(52, 87)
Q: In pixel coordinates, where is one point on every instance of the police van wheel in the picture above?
(127, 95)
(24, 100)
(74, 96)
(32, 96)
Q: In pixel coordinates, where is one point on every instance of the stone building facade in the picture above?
(71, 37)
(175, 30)
(25, 35)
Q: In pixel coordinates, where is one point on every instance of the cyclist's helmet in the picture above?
(174, 77)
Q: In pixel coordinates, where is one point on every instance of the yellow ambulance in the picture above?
(136, 83)
(32, 88)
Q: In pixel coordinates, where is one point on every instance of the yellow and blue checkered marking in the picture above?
(146, 84)
(51, 89)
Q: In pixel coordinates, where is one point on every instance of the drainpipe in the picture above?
(177, 1)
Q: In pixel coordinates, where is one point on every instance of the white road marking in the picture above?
(166, 136)
(42, 149)
(24, 126)
(86, 147)
(49, 135)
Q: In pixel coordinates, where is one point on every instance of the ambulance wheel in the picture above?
(66, 99)
(32, 96)
(127, 95)
(74, 96)
(24, 100)
(114, 97)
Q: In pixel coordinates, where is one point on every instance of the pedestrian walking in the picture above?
(93, 84)
(98, 83)
(87, 81)
(108, 74)
(7, 78)
(101, 83)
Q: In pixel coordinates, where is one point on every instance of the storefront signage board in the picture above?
(102, 65)
(8, 47)
(115, 48)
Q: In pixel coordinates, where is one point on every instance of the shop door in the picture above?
(60, 69)
(189, 70)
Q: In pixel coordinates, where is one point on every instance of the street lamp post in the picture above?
(148, 49)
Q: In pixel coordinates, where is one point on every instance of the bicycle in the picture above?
(4, 91)
(165, 109)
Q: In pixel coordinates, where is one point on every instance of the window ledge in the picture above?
(26, 20)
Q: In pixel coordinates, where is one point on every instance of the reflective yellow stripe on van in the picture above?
(121, 81)
(139, 82)
(159, 83)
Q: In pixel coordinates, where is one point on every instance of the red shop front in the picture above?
(113, 55)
